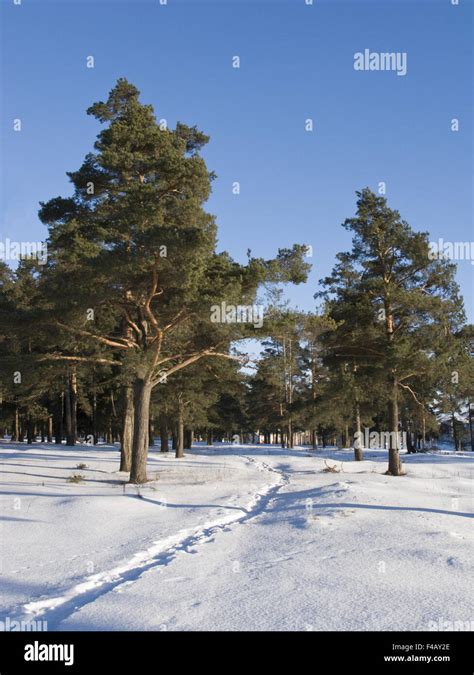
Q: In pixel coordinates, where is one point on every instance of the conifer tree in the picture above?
(402, 301)
(133, 268)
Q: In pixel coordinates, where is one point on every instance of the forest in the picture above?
(113, 336)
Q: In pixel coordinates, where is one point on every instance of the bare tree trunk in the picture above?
(95, 434)
(358, 445)
(58, 417)
(423, 442)
(73, 387)
(455, 432)
(29, 430)
(180, 439)
(471, 415)
(314, 439)
(16, 428)
(210, 439)
(68, 417)
(188, 439)
(164, 433)
(126, 433)
(50, 429)
(394, 463)
(71, 409)
(21, 433)
(347, 440)
(141, 406)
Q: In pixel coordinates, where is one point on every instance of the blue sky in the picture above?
(296, 63)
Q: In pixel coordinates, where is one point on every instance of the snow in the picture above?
(236, 538)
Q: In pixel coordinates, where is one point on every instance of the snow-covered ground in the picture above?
(236, 538)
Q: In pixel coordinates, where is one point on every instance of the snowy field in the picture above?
(236, 538)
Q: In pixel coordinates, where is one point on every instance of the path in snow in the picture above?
(55, 609)
(300, 549)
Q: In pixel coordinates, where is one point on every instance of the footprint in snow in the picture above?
(454, 562)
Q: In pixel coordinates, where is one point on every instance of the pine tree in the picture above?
(404, 302)
(133, 269)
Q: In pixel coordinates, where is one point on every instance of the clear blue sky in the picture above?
(296, 63)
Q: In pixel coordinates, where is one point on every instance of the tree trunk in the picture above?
(394, 463)
(471, 415)
(71, 409)
(141, 407)
(73, 389)
(29, 430)
(164, 433)
(209, 437)
(16, 429)
(49, 434)
(68, 418)
(151, 434)
(423, 440)
(95, 434)
(58, 419)
(347, 440)
(358, 445)
(455, 432)
(126, 432)
(410, 446)
(180, 438)
(188, 439)
(314, 439)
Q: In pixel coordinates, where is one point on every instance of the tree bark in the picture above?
(141, 406)
(126, 432)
